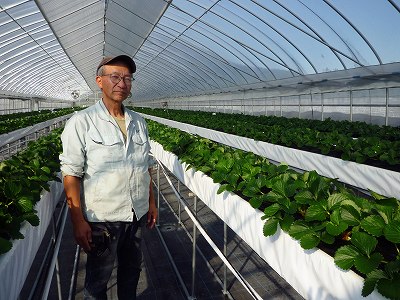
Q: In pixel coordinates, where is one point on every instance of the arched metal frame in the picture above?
(186, 48)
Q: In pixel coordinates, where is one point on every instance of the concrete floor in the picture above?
(158, 280)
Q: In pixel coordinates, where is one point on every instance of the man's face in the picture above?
(114, 82)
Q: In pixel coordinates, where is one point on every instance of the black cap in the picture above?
(124, 58)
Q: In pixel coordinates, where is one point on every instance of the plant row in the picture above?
(360, 142)
(361, 233)
(13, 122)
(22, 179)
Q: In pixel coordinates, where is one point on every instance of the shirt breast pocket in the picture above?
(140, 148)
(104, 148)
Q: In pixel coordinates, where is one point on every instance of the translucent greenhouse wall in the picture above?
(10, 106)
(379, 106)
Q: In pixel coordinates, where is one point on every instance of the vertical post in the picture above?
(351, 106)
(179, 204)
(158, 193)
(54, 238)
(194, 249)
(387, 107)
(225, 292)
(299, 115)
(322, 106)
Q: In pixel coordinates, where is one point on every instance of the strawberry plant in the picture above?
(22, 179)
(363, 232)
(13, 122)
(355, 141)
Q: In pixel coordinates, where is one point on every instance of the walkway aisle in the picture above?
(267, 283)
(158, 280)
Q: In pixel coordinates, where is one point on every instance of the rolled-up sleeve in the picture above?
(72, 159)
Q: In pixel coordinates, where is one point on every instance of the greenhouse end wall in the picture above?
(379, 106)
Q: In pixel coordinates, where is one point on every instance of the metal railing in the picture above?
(182, 205)
(20, 141)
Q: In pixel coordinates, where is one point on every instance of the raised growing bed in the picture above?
(16, 263)
(312, 273)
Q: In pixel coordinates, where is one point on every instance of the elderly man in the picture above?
(105, 165)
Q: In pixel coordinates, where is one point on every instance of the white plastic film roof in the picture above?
(51, 48)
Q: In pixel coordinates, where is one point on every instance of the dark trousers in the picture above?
(125, 246)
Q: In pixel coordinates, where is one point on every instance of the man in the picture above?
(105, 165)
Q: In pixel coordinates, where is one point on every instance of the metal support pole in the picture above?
(224, 291)
(56, 263)
(179, 204)
(194, 250)
(351, 106)
(158, 193)
(387, 107)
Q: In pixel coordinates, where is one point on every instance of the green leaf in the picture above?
(366, 264)
(309, 241)
(25, 203)
(392, 231)
(272, 209)
(298, 230)
(270, 226)
(327, 238)
(373, 225)
(371, 280)
(205, 169)
(222, 188)
(334, 200)
(12, 189)
(218, 177)
(315, 213)
(232, 178)
(390, 287)
(336, 229)
(364, 242)
(36, 163)
(46, 169)
(350, 215)
(392, 267)
(286, 222)
(304, 197)
(32, 218)
(251, 190)
(345, 256)
(5, 245)
(273, 197)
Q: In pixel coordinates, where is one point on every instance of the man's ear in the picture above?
(99, 82)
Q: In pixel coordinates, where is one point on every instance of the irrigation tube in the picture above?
(246, 285)
(54, 258)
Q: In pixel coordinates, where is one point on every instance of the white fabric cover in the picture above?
(311, 272)
(15, 264)
(366, 177)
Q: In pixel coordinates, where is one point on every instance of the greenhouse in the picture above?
(268, 131)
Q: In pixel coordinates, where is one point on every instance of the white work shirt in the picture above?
(115, 174)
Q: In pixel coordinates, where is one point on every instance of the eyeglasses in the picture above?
(115, 78)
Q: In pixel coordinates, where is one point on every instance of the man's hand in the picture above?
(152, 215)
(83, 234)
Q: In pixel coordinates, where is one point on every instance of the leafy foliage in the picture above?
(22, 178)
(311, 208)
(13, 122)
(354, 141)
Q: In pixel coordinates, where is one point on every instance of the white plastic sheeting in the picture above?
(311, 272)
(15, 264)
(20, 133)
(366, 177)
